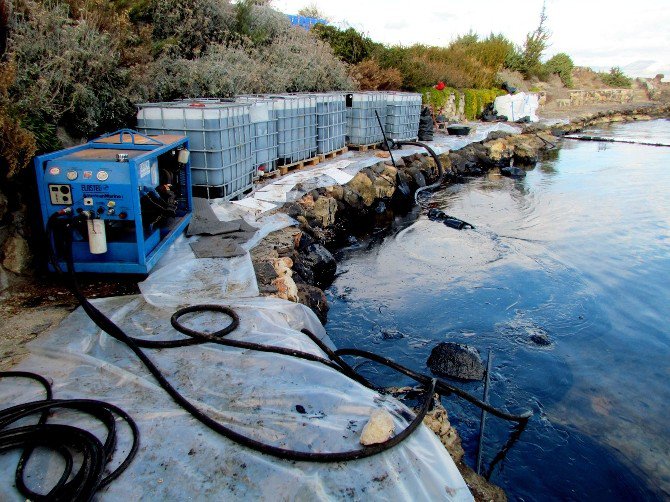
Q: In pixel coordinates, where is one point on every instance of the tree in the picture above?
(561, 64)
(535, 45)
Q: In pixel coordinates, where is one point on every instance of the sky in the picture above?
(631, 34)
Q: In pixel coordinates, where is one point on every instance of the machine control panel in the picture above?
(60, 195)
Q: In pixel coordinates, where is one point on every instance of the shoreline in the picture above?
(297, 263)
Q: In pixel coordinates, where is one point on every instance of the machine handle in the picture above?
(131, 133)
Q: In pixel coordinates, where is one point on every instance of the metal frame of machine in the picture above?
(119, 182)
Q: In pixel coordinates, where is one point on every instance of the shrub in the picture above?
(293, 62)
(616, 78)
(17, 145)
(371, 77)
(349, 45)
(185, 28)
(437, 100)
(477, 99)
(561, 64)
(68, 74)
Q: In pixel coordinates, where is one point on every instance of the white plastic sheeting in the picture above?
(518, 106)
(179, 277)
(252, 392)
(341, 171)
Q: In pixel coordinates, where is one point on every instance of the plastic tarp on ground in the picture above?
(254, 393)
(518, 106)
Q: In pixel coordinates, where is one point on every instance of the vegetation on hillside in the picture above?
(77, 67)
(616, 78)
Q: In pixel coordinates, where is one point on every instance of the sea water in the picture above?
(577, 253)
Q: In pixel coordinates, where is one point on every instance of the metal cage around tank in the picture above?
(362, 124)
(296, 126)
(331, 121)
(265, 132)
(220, 133)
(403, 110)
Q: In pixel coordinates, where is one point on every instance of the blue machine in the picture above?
(132, 193)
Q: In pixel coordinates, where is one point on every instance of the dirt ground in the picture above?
(38, 304)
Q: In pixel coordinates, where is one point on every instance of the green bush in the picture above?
(477, 99)
(349, 45)
(437, 100)
(293, 62)
(68, 74)
(616, 78)
(561, 64)
(185, 28)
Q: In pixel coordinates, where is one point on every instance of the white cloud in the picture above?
(594, 32)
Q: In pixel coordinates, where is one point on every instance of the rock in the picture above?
(417, 177)
(316, 265)
(286, 288)
(16, 255)
(497, 135)
(456, 360)
(353, 199)
(335, 191)
(6, 279)
(499, 152)
(319, 211)
(379, 428)
(392, 334)
(378, 168)
(513, 172)
(362, 185)
(265, 272)
(315, 299)
(540, 338)
(293, 209)
(384, 186)
(283, 266)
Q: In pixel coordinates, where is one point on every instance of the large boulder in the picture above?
(499, 152)
(456, 360)
(319, 210)
(316, 265)
(362, 185)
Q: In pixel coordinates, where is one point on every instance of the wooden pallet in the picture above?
(298, 165)
(365, 148)
(333, 154)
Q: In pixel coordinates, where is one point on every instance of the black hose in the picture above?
(65, 441)
(388, 143)
(440, 170)
(335, 361)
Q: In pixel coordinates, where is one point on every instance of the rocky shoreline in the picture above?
(297, 263)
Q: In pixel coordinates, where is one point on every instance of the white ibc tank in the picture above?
(220, 140)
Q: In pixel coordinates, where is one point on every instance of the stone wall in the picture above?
(454, 109)
(591, 97)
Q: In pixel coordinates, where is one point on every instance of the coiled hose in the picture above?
(334, 361)
(66, 441)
